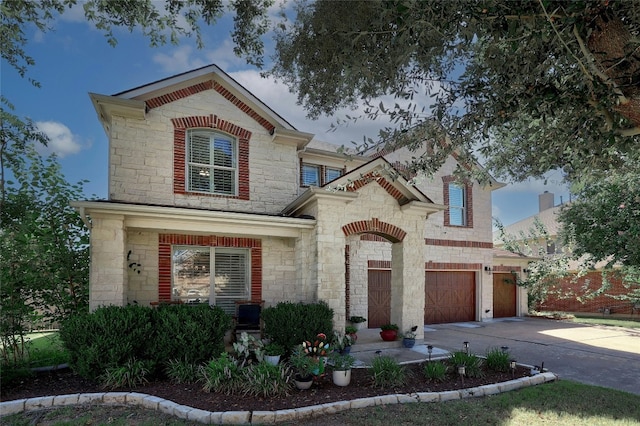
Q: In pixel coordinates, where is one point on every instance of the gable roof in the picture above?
(136, 102)
(548, 217)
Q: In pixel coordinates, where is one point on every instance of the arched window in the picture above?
(212, 162)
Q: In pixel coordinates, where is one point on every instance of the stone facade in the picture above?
(300, 238)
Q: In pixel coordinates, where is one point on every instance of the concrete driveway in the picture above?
(596, 355)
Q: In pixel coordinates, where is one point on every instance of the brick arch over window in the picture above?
(182, 124)
(375, 226)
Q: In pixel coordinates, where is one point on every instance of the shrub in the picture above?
(112, 335)
(221, 374)
(132, 373)
(266, 380)
(472, 364)
(181, 371)
(107, 338)
(290, 324)
(436, 371)
(194, 333)
(497, 360)
(386, 372)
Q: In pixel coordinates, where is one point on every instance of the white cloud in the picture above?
(180, 60)
(61, 141)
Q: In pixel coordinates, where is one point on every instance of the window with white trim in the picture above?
(212, 162)
(457, 205)
(318, 175)
(193, 282)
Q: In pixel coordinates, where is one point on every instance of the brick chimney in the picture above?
(545, 201)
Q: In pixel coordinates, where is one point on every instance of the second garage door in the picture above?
(450, 296)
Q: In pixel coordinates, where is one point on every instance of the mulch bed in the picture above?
(324, 391)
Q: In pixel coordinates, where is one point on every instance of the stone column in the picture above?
(108, 277)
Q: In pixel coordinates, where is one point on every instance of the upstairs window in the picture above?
(457, 205)
(317, 175)
(212, 162)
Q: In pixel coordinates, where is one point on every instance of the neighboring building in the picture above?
(569, 293)
(215, 197)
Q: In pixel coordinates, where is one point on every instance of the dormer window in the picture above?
(212, 162)
(317, 175)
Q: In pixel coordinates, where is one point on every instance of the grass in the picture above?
(557, 403)
(610, 321)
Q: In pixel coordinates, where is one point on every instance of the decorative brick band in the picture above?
(243, 107)
(164, 258)
(375, 226)
(180, 152)
(456, 243)
(384, 183)
(208, 85)
(430, 266)
(178, 94)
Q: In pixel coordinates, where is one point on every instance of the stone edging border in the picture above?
(262, 417)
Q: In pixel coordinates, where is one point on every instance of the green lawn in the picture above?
(557, 403)
(611, 321)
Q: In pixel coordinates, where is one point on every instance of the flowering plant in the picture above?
(319, 347)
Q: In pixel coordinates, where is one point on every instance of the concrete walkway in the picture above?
(595, 355)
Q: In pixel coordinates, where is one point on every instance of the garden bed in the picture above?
(324, 391)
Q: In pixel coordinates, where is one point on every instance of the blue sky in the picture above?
(74, 59)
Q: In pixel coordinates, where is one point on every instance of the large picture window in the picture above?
(212, 162)
(194, 282)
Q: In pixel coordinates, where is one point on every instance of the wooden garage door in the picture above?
(379, 298)
(449, 297)
(504, 295)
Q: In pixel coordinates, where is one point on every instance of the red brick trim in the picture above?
(347, 282)
(180, 151)
(161, 100)
(455, 243)
(384, 183)
(450, 266)
(375, 226)
(165, 241)
(468, 199)
(158, 101)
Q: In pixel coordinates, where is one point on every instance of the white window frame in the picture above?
(460, 209)
(213, 299)
(211, 166)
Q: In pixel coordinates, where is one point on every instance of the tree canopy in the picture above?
(529, 86)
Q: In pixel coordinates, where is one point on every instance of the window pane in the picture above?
(191, 274)
(200, 148)
(456, 205)
(331, 174)
(223, 152)
(310, 175)
(224, 181)
(231, 277)
(199, 179)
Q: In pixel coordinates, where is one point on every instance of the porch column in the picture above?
(108, 276)
(407, 278)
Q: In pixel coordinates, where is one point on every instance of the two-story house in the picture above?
(215, 197)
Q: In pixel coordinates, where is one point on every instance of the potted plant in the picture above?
(351, 331)
(389, 332)
(303, 365)
(341, 368)
(273, 352)
(341, 343)
(357, 321)
(409, 337)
